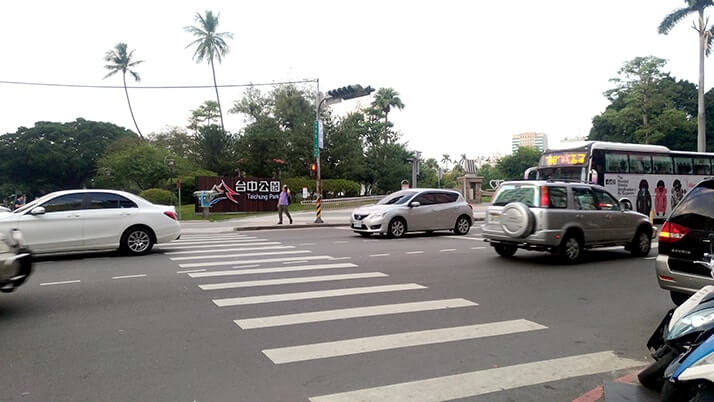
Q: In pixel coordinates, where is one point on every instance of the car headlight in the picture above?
(377, 215)
(691, 323)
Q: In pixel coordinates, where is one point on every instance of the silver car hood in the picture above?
(372, 209)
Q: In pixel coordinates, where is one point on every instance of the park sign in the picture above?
(238, 194)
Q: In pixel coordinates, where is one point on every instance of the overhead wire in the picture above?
(260, 84)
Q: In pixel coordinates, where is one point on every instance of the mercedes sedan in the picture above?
(414, 210)
(92, 220)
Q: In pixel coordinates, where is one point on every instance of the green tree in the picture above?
(177, 141)
(513, 166)
(210, 45)
(701, 25)
(446, 160)
(259, 146)
(385, 99)
(214, 145)
(51, 156)
(343, 155)
(120, 60)
(137, 167)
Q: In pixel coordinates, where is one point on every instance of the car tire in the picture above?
(397, 228)
(678, 297)
(462, 226)
(570, 249)
(505, 250)
(641, 244)
(363, 234)
(517, 220)
(137, 240)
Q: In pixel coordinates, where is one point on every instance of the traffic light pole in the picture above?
(318, 184)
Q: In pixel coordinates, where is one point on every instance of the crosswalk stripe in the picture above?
(192, 242)
(203, 257)
(221, 236)
(465, 238)
(288, 281)
(476, 383)
(212, 244)
(240, 301)
(345, 313)
(271, 270)
(222, 250)
(263, 261)
(399, 340)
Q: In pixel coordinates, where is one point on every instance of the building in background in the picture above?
(535, 140)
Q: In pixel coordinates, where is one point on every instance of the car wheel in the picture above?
(363, 234)
(505, 250)
(678, 297)
(641, 244)
(137, 241)
(571, 249)
(397, 227)
(462, 225)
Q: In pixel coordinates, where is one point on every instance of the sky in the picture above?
(470, 73)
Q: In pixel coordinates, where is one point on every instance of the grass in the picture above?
(188, 211)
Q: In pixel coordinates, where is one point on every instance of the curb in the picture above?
(300, 226)
(305, 225)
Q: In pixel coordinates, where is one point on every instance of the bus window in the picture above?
(640, 164)
(662, 164)
(683, 165)
(616, 163)
(702, 166)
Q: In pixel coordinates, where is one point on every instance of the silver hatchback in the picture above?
(412, 211)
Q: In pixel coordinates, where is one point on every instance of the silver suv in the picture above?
(563, 218)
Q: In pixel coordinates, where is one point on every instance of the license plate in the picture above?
(357, 225)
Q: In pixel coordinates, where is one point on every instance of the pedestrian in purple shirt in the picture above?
(283, 203)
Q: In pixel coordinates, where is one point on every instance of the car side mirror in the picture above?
(625, 204)
(414, 204)
(38, 211)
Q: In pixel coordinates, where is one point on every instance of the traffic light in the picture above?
(350, 91)
(313, 169)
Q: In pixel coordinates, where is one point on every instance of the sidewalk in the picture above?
(330, 218)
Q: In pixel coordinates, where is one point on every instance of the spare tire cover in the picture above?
(516, 219)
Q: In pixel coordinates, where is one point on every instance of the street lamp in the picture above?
(334, 96)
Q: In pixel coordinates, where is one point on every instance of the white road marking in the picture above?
(264, 261)
(221, 250)
(345, 313)
(306, 244)
(341, 242)
(235, 267)
(478, 248)
(465, 238)
(232, 244)
(202, 257)
(414, 252)
(192, 243)
(240, 301)
(289, 281)
(341, 258)
(212, 274)
(447, 250)
(379, 255)
(129, 276)
(59, 283)
(399, 340)
(295, 262)
(216, 237)
(190, 270)
(476, 383)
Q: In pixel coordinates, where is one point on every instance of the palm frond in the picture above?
(135, 75)
(673, 18)
(111, 73)
(710, 36)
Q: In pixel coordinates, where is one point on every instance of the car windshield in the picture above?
(516, 193)
(399, 198)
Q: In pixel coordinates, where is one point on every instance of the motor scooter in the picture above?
(683, 347)
(15, 261)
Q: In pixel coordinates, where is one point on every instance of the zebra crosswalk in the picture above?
(243, 263)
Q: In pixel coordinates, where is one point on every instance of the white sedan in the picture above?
(92, 220)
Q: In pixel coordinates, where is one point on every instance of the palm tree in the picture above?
(446, 159)
(701, 25)
(121, 61)
(210, 45)
(385, 99)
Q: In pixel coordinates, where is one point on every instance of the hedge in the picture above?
(330, 187)
(157, 196)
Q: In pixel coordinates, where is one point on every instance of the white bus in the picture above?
(652, 177)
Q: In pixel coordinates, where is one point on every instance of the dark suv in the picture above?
(683, 241)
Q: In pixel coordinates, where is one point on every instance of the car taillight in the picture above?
(544, 199)
(672, 232)
(171, 214)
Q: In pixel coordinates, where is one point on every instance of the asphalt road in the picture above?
(327, 315)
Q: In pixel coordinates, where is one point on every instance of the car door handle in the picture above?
(578, 216)
(126, 213)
